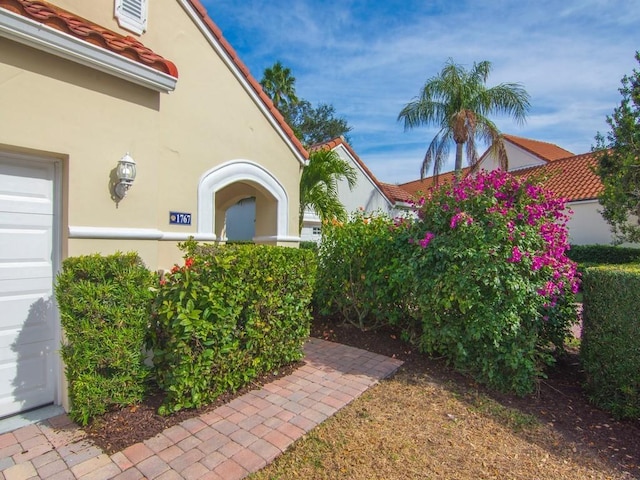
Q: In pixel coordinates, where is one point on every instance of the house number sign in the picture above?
(179, 218)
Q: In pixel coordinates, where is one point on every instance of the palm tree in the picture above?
(319, 185)
(279, 84)
(459, 102)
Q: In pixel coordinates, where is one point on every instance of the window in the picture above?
(132, 15)
(317, 230)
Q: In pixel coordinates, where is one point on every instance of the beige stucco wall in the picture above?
(91, 119)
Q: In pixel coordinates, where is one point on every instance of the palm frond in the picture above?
(459, 103)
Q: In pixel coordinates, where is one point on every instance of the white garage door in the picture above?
(27, 319)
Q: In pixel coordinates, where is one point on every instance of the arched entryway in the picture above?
(224, 186)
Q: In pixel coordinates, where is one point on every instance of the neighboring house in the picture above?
(368, 194)
(84, 84)
(568, 175)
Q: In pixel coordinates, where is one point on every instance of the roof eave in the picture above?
(42, 37)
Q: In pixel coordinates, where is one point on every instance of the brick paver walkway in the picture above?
(229, 443)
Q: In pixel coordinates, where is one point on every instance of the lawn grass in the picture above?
(414, 426)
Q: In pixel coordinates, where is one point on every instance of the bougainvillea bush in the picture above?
(495, 287)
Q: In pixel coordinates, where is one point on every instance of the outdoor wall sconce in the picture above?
(126, 173)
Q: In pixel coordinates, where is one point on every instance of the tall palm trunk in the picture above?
(458, 165)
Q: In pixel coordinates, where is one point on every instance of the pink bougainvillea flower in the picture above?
(516, 255)
(427, 238)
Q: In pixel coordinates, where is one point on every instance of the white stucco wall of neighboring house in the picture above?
(518, 158)
(586, 225)
(365, 194)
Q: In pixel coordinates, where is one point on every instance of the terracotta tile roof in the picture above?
(64, 21)
(546, 151)
(217, 33)
(422, 185)
(571, 178)
(396, 193)
(393, 192)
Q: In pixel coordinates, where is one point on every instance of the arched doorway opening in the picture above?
(224, 186)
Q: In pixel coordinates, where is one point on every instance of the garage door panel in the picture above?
(27, 321)
(26, 188)
(33, 382)
(28, 318)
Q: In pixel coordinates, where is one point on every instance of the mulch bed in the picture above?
(559, 401)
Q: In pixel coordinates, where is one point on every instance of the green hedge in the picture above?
(362, 275)
(603, 254)
(228, 315)
(104, 308)
(610, 347)
(309, 245)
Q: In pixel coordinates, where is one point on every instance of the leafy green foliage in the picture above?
(610, 347)
(228, 315)
(104, 308)
(495, 288)
(603, 254)
(319, 185)
(315, 125)
(480, 277)
(312, 125)
(458, 102)
(361, 275)
(280, 85)
(619, 162)
(309, 245)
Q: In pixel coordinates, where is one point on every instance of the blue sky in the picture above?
(369, 58)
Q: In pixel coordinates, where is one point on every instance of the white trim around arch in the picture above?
(234, 171)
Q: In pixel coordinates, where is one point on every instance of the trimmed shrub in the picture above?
(309, 245)
(603, 254)
(361, 273)
(495, 289)
(229, 314)
(610, 347)
(104, 307)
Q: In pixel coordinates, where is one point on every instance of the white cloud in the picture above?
(370, 58)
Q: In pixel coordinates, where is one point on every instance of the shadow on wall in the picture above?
(32, 376)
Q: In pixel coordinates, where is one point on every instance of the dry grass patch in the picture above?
(416, 427)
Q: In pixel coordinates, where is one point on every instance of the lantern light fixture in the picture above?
(126, 173)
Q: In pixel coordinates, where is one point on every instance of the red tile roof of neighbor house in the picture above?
(393, 192)
(544, 150)
(571, 177)
(127, 46)
(422, 185)
(64, 21)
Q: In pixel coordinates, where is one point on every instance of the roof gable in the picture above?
(248, 79)
(548, 152)
(132, 50)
